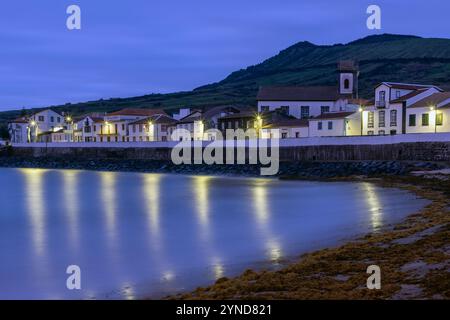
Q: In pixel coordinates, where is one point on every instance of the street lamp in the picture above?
(33, 126)
(433, 110)
(69, 120)
(258, 125)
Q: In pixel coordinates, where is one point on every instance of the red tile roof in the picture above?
(409, 95)
(163, 119)
(297, 123)
(19, 120)
(315, 93)
(432, 100)
(408, 86)
(333, 115)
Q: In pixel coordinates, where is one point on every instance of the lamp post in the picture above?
(258, 125)
(433, 111)
(360, 110)
(33, 126)
(69, 120)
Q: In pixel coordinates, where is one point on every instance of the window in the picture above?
(382, 96)
(58, 119)
(412, 120)
(393, 132)
(319, 125)
(381, 132)
(381, 119)
(297, 134)
(439, 119)
(115, 128)
(398, 94)
(346, 84)
(370, 132)
(330, 125)
(52, 119)
(41, 118)
(284, 109)
(370, 119)
(324, 109)
(264, 108)
(123, 126)
(283, 135)
(425, 119)
(304, 112)
(393, 118)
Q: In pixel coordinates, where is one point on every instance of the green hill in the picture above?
(385, 57)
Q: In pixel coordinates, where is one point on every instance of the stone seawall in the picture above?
(416, 151)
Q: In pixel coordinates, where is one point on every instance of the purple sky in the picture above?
(136, 47)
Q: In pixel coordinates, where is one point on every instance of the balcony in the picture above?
(380, 104)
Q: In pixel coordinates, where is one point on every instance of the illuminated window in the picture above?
(439, 119)
(425, 119)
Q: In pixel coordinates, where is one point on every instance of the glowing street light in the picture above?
(360, 110)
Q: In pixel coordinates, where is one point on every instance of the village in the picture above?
(282, 112)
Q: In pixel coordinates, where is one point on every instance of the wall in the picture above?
(421, 147)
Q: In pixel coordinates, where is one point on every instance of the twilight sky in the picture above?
(136, 47)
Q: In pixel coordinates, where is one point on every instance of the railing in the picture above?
(380, 104)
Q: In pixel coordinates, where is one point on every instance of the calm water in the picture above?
(137, 235)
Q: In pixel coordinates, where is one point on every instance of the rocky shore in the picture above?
(307, 170)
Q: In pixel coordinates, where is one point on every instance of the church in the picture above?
(308, 102)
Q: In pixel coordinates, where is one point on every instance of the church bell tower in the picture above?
(348, 78)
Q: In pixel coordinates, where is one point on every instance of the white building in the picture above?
(387, 115)
(198, 122)
(336, 124)
(307, 102)
(429, 115)
(154, 128)
(285, 129)
(37, 127)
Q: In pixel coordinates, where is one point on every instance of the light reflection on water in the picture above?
(143, 234)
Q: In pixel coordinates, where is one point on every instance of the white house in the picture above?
(429, 115)
(154, 128)
(37, 127)
(387, 115)
(335, 124)
(198, 122)
(306, 102)
(285, 128)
